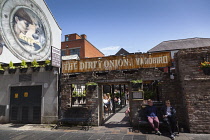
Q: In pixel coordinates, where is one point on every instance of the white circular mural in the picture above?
(25, 29)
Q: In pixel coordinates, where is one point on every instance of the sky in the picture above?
(135, 25)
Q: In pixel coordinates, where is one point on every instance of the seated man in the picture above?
(151, 112)
(169, 114)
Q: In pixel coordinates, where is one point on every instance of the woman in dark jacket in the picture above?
(169, 116)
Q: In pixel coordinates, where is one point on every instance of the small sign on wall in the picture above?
(138, 95)
(25, 94)
(16, 95)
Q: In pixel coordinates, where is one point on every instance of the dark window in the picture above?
(67, 38)
(75, 51)
(63, 53)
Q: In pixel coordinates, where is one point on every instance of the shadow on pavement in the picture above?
(17, 125)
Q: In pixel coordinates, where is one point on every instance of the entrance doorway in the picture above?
(25, 104)
(117, 96)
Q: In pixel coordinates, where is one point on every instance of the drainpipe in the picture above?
(120, 96)
(113, 99)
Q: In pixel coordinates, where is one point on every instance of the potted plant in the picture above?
(91, 85)
(35, 65)
(72, 87)
(205, 66)
(48, 66)
(1, 69)
(136, 83)
(23, 67)
(12, 68)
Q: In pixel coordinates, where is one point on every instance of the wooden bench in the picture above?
(143, 121)
(76, 116)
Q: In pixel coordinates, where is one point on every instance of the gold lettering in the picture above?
(106, 64)
(81, 65)
(125, 61)
(165, 59)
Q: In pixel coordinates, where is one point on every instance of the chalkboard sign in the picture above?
(138, 94)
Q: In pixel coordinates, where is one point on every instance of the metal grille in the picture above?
(14, 112)
(36, 113)
(25, 77)
(25, 114)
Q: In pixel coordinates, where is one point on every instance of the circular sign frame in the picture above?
(25, 30)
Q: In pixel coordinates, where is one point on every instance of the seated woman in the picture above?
(169, 116)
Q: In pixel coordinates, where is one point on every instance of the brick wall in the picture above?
(194, 89)
(86, 48)
(91, 51)
(171, 90)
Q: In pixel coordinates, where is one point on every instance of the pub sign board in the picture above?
(133, 61)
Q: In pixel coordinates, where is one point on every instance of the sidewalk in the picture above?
(103, 131)
(117, 125)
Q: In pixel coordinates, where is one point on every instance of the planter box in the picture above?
(48, 68)
(91, 87)
(136, 85)
(35, 69)
(206, 71)
(23, 70)
(1, 71)
(12, 71)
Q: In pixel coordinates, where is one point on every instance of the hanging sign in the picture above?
(55, 57)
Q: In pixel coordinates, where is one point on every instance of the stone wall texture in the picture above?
(193, 89)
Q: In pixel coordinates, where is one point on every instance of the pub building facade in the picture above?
(28, 96)
(112, 74)
(188, 90)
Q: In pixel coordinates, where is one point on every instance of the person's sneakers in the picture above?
(158, 133)
(172, 137)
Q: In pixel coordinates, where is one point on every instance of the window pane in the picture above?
(63, 53)
(75, 51)
(67, 38)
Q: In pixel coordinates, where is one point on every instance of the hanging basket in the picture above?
(206, 71)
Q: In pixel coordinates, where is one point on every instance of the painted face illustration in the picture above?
(21, 26)
(21, 21)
